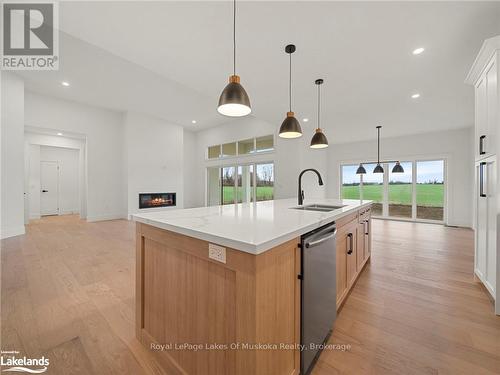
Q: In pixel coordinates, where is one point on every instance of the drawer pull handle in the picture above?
(349, 252)
(481, 145)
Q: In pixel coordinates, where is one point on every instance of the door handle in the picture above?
(349, 235)
(481, 178)
(45, 191)
(367, 227)
(481, 145)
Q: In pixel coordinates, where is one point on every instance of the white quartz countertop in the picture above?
(250, 227)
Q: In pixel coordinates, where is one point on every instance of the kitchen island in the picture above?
(218, 288)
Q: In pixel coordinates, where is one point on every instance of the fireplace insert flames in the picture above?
(150, 200)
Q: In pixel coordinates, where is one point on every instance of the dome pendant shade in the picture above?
(378, 169)
(361, 169)
(234, 100)
(319, 139)
(398, 168)
(290, 127)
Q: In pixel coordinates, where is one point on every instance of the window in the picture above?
(245, 147)
(242, 147)
(228, 186)
(228, 149)
(400, 191)
(350, 182)
(239, 184)
(416, 194)
(214, 152)
(372, 188)
(430, 190)
(265, 182)
(264, 143)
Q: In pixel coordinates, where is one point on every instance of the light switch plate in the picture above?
(217, 252)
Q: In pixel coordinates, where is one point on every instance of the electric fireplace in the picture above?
(151, 200)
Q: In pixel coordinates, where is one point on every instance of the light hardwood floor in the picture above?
(68, 293)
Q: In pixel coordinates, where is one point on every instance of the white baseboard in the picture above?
(12, 231)
(91, 219)
(69, 212)
(35, 216)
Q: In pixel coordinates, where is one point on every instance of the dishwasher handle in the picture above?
(321, 240)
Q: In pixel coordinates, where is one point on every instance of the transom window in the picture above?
(242, 147)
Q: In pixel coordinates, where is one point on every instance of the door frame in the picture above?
(58, 186)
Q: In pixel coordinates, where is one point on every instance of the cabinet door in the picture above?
(368, 238)
(351, 251)
(360, 244)
(481, 113)
(481, 223)
(341, 266)
(491, 239)
(492, 107)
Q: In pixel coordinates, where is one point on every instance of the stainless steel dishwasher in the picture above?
(318, 292)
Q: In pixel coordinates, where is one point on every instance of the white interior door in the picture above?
(49, 188)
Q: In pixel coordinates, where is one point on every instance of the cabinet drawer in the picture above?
(365, 214)
(343, 221)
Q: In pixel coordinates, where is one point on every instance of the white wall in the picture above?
(33, 182)
(154, 155)
(103, 130)
(189, 167)
(290, 157)
(12, 154)
(455, 146)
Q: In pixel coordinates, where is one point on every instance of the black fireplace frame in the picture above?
(172, 197)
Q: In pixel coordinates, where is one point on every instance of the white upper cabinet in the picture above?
(484, 76)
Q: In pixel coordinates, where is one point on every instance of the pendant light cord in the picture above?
(319, 99)
(378, 145)
(234, 37)
(290, 83)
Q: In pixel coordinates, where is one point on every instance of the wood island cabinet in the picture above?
(200, 315)
(353, 250)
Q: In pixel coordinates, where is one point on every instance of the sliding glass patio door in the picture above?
(418, 194)
(240, 183)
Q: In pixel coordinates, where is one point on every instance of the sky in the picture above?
(426, 171)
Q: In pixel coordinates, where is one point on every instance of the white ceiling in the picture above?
(172, 59)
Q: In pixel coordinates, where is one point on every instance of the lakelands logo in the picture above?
(30, 35)
(22, 364)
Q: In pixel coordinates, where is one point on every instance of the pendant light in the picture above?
(398, 168)
(319, 139)
(361, 169)
(290, 127)
(378, 168)
(234, 101)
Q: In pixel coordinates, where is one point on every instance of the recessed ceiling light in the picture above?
(193, 121)
(305, 119)
(418, 51)
(65, 84)
(59, 133)
(415, 96)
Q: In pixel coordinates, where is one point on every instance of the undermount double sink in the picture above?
(317, 207)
